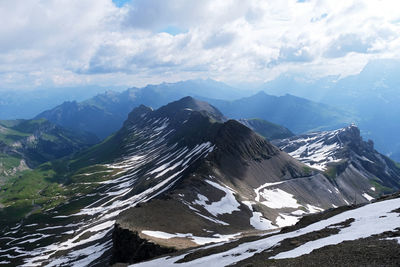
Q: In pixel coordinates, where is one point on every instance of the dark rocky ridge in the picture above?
(129, 247)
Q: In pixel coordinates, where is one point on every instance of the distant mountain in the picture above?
(267, 129)
(105, 113)
(25, 144)
(298, 114)
(170, 179)
(372, 95)
(25, 104)
(347, 159)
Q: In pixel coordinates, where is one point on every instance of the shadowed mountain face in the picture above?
(173, 178)
(267, 129)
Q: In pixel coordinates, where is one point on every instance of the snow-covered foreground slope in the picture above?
(366, 221)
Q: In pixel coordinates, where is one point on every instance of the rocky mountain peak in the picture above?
(139, 111)
(190, 104)
(319, 149)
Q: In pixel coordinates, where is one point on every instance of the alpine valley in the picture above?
(185, 185)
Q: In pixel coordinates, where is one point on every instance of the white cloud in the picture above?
(73, 42)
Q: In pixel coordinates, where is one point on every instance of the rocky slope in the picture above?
(170, 179)
(347, 160)
(338, 237)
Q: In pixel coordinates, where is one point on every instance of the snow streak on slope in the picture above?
(315, 149)
(364, 225)
(79, 232)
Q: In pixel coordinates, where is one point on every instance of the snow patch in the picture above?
(286, 220)
(227, 204)
(199, 240)
(367, 197)
(257, 220)
(277, 199)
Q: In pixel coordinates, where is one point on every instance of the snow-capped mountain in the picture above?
(177, 177)
(354, 164)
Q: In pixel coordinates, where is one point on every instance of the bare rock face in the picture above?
(128, 247)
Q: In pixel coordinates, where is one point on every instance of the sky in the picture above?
(63, 43)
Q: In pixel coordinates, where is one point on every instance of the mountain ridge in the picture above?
(175, 177)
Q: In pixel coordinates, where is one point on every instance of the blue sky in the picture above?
(64, 43)
(120, 3)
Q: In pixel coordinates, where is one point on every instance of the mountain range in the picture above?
(184, 176)
(105, 113)
(298, 114)
(368, 98)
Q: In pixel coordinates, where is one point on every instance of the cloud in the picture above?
(347, 43)
(295, 54)
(72, 42)
(219, 39)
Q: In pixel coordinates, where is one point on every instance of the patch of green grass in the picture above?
(95, 173)
(29, 185)
(381, 188)
(109, 149)
(48, 186)
(10, 136)
(307, 170)
(8, 162)
(331, 172)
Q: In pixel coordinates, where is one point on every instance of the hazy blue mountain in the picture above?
(22, 104)
(373, 95)
(298, 114)
(105, 113)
